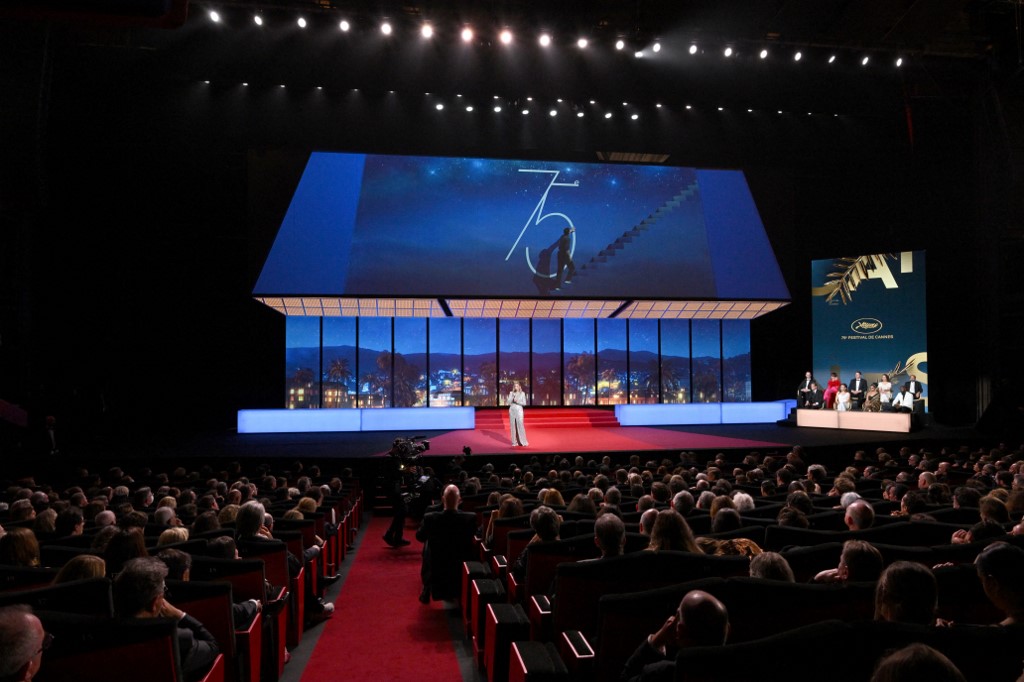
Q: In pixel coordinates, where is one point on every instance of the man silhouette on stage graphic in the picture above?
(565, 258)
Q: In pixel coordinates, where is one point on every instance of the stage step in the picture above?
(548, 418)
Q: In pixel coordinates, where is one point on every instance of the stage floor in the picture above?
(764, 438)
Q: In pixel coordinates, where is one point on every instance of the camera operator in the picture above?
(400, 480)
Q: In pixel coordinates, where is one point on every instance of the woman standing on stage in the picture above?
(516, 400)
(885, 391)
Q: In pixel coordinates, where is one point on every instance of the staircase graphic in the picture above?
(627, 237)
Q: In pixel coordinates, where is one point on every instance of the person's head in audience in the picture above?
(767, 488)
(450, 498)
(133, 519)
(205, 522)
(19, 547)
(1000, 568)
(726, 520)
(178, 563)
(990, 507)
(165, 516)
(105, 518)
(860, 562)
(509, 506)
(227, 514)
(143, 498)
(792, 517)
(101, 538)
(21, 510)
(672, 532)
(916, 663)
(705, 499)
(743, 501)
(22, 642)
(771, 566)
(69, 522)
(682, 502)
(906, 593)
(81, 567)
(914, 502)
(860, 515)
(545, 523)
(172, 536)
(222, 547)
(139, 588)
(553, 498)
(647, 520)
(644, 502)
(45, 523)
(122, 547)
(720, 502)
(801, 501)
(610, 535)
(925, 479)
(701, 620)
(582, 504)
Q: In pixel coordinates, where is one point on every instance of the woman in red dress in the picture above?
(831, 390)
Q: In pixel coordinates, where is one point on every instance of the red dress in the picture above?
(830, 393)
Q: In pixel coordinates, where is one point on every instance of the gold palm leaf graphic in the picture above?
(850, 272)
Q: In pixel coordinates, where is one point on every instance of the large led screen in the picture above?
(869, 317)
(373, 225)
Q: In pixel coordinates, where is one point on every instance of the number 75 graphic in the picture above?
(539, 215)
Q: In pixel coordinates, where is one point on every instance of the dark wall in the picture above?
(138, 204)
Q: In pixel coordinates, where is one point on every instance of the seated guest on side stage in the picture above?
(885, 391)
(872, 399)
(447, 538)
(904, 400)
(700, 620)
(813, 399)
(844, 399)
(858, 387)
(831, 389)
(804, 388)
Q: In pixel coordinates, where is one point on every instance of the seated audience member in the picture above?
(610, 535)
(122, 546)
(509, 506)
(172, 536)
(671, 531)
(81, 567)
(700, 620)
(647, 521)
(992, 508)
(906, 593)
(860, 515)
(682, 502)
(914, 663)
(966, 496)
(447, 538)
(789, 516)
(139, 593)
(582, 504)
(982, 530)
(771, 566)
(1000, 569)
(22, 643)
(859, 562)
(726, 520)
(545, 523)
(205, 522)
(69, 522)
(19, 547)
(105, 519)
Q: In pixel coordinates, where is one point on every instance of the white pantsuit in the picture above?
(516, 400)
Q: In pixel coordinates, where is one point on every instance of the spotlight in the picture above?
(831, 59)
(469, 107)
(656, 47)
(721, 108)
(693, 49)
(439, 106)
(764, 54)
(582, 43)
(638, 54)
(635, 116)
(344, 26)
(529, 99)
(579, 114)
(245, 85)
(750, 111)
(301, 21)
(385, 28)
(608, 115)
(689, 106)
(658, 105)
(319, 87)
(467, 34)
(798, 56)
(497, 109)
(206, 82)
(544, 40)
(553, 113)
(526, 112)
(506, 37)
(779, 111)
(257, 19)
(281, 86)
(214, 16)
(864, 62)
(427, 31)
(728, 52)
(620, 44)
(593, 102)
(899, 62)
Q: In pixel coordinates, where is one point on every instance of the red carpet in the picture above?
(380, 631)
(585, 439)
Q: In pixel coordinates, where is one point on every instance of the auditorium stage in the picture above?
(704, 439)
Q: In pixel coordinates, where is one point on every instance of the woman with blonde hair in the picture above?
(172, 535)
(553, 498)
(19, 547)
(81, 567)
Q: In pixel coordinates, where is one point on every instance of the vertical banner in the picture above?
(868, 314)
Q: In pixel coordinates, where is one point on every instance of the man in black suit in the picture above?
(858, 387)
(447, 538)
(914, 387)
(804, 388)
(814, 398)
(700, 620)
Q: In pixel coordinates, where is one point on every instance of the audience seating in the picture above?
(87, 597)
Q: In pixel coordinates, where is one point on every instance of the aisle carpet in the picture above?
(380, 631)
